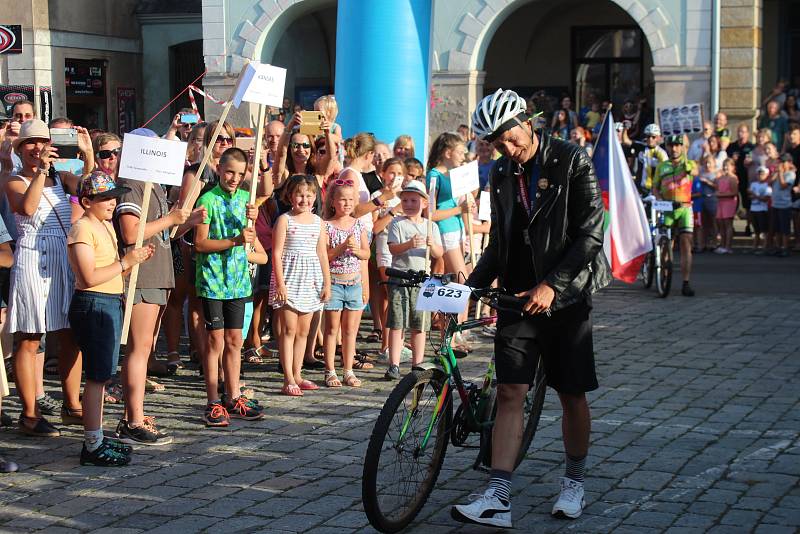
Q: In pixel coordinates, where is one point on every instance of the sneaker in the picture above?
(48, 405)
(104, 456)
(570, 501)
(720, 250)
(116, 444)
(484, 509)
(243, 408)
(686, 290)
(392, 373)
(215, 414)
(146, 434)
(383, 356)
(6, 420)
(7, 466)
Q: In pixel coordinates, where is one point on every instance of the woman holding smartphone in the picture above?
(42, 281)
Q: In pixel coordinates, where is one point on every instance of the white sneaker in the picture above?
(484, 509)
(570, 501)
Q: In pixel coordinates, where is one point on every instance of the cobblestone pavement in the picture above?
(695, 429)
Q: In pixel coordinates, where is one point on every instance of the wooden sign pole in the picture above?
(196, 187)
(259, 147)
(126, 322)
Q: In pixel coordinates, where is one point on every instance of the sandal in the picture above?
(113, 394)
(252, 356)
(151, 386)
(308, 385)
(292, 390)
(361, 364)
(351, 380)
(314, 365)
(332, 380)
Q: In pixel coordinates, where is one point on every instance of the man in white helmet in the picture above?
(650, 157)
(545, 245)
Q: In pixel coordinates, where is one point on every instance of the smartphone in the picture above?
(65, 140)
(311, 122)
(190, 118)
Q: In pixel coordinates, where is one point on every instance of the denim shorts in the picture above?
(345, 297)
(96, 321)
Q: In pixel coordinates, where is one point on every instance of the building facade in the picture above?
(666, 52)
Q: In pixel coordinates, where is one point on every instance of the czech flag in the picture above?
(627, 232)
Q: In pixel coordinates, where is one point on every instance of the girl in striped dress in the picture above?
(300, 282)
(42, 281)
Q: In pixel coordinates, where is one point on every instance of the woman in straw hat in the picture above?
(42, 281)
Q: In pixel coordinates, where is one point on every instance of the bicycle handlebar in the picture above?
(497, 297)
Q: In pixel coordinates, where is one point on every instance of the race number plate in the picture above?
(662, 205)
(435, 297)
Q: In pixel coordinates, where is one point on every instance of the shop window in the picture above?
(85, 81)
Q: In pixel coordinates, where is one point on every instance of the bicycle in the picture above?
(409, 441)
(658, 262)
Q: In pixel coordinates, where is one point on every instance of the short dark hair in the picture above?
(233, 154)
(22, 102)
(59, 120)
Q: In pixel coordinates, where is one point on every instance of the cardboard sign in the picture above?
(465, 179)
(152, 159)
(450, 298)
(485, 206)
(311, 123)
(676, 120)
(260, 84)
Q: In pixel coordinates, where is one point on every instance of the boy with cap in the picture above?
(760, 193)
(408, 239)
(95, 313)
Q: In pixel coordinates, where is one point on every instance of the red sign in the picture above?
(11, 39)
(13, 98)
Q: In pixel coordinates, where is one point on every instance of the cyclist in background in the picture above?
(649, 158)
(673, 181)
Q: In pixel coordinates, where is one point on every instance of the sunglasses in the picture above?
(105, 154)
(224, 141)
(341, 182)
(296, 145)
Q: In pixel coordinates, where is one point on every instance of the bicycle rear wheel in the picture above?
(399, 474)
(664, 274)
(532, 412)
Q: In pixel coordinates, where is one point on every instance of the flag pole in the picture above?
(602, 125)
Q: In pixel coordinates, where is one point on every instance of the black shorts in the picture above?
(781, 220)
(760, 221)
(227, 314)
(564, 340)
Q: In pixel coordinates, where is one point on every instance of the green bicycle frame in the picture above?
(449, 364)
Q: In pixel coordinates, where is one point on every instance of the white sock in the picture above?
(93, 439)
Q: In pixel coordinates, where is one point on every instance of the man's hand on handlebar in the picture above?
(540, 298)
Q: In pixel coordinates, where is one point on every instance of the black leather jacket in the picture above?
(566, 225)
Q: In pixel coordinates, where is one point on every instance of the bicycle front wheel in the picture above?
(664, 275)
(406, 450)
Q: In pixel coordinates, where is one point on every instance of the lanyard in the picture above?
(525, 189)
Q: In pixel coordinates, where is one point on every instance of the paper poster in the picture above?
(261, 84)
(152, 159)
(685, 119)
(465, 179)
(435, 297)
(485, 206)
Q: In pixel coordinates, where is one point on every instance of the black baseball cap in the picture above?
(674, 140)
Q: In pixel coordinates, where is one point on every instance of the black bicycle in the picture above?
(408, 443)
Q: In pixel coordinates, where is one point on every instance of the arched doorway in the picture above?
(307, 49)
(576, 48)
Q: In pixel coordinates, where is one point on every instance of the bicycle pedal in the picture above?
(458, 353)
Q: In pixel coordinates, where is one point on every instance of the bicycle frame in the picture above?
(449, 364)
